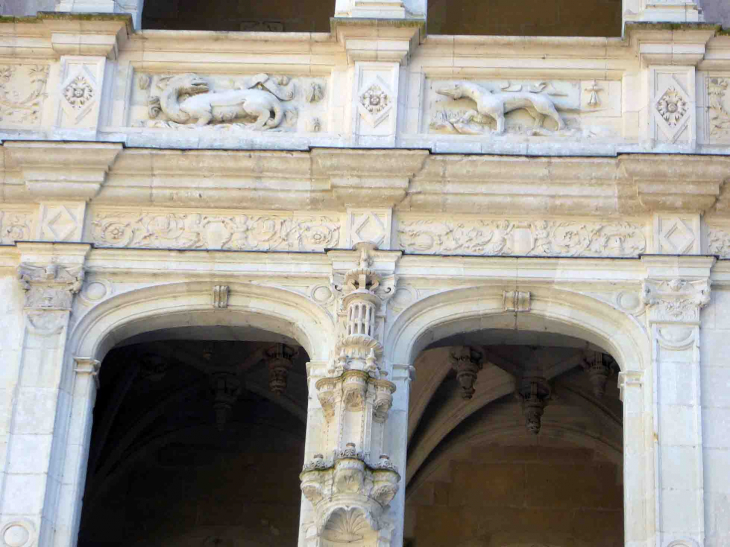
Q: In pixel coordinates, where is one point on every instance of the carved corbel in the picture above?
(328, 394)
(535, 394)
(225, 387)
(598, 372)
(383, 400)
(50, 287)
(280, 362)
(467, 362)
(349, 495)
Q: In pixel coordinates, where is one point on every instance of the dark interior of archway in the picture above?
(493, 17)
(479, 477)
(239, 15)
(525, 17)
(190, 446)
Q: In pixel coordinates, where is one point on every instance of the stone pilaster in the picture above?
(675, 290)
(349, 479)
(50, 276)
(376, 58)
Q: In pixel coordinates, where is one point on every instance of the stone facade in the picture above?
(504, 261)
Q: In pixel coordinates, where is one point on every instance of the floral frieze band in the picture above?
(522, 238)
(174, 230)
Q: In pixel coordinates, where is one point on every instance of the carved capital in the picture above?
(85, 365)
(629, 379)
(50, 287)
(675, 300)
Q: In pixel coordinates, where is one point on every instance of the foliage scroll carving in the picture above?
(522, 238)
(161, 230)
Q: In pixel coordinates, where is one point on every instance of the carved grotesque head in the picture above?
(189, 84)
(454, 91)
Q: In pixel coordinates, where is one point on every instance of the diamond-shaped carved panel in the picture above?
(61, 223)
(672, 109)
(375, 102)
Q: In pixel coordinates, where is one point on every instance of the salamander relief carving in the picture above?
(261, 102)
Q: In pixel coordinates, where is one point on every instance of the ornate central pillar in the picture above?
(349, 479)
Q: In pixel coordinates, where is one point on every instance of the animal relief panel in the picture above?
(527, 108)
(260, 102)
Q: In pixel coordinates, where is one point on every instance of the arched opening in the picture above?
(239, 15)
(198, 439)
(535, 454)
(526, 17)
(515, 439)
(252, 322)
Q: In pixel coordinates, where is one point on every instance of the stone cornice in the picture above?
(331, 179)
